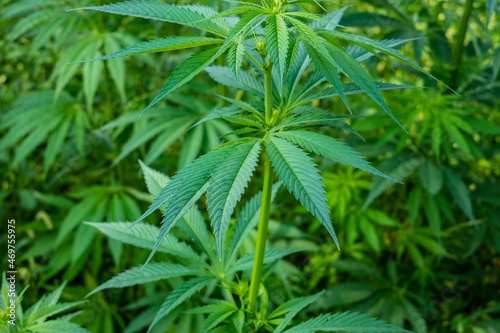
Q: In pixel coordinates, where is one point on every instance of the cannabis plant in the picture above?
(40, 317)
(199, 267)
(270, 48)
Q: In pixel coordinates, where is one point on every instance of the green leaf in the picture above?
(460, 192)
(397, 168)
(194, 226)
(299, 174)
(239, 320)
(184, 189)
(77, 215)
(320, 57)
(333, 18)
(33, 140)
(91, 75)
(245, 81)
(431, 177)
(230, 110)
(352, 89)
(346, 321)
(491, 7)
(457, 136)
(217, 317)
(271, 255)
(191, 15)
(55, 143)
(186, 71)
(151, 273)
(360, 77)
(247, 220)
(56, 326)
(247, 107)
(191, 146)
(277, 42)
(370, 233)
(154, 180)
(179, 295)
(235, 58)
(326, 66)
(311, 118)
(201, 167)
(116, 67)
(161, 45)
(227, 185)
(247, 23)
(330, 148)
(43, 313)
(371, 45)
(144, 236)
(292, 308)
(432, 214)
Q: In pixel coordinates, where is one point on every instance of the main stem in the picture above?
(458, 47)
(265, 207)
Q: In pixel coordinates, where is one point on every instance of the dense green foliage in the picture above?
(422, 255)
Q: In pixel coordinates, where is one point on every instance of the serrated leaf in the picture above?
(277, 42)
(271, 255)
(217, 317)
(352, 89)
(56, 326)
(247, 220)
(144, 236)
(299, 174)
(194, 226)
(184, 189)
(239, 320)
(322, 59)
(228, 183)
(161, 45)
(235, 58)
(186, 71)
(330, 148)
(360, 77)
(220, 113)
(154, 180)
(245, 81)
(346, 321)
(372, 45)
(194, 16)
(333, 18)
(179, 295)
(204, 164)
(324, 118)
(292, 308)
(150, 273)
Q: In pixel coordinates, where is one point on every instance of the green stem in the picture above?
(268, 87)
(458, 47)
(260, 247)
(265, 206)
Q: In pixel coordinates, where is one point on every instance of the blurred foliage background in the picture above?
(424, 255)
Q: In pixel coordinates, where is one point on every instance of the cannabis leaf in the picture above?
(300, 175)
